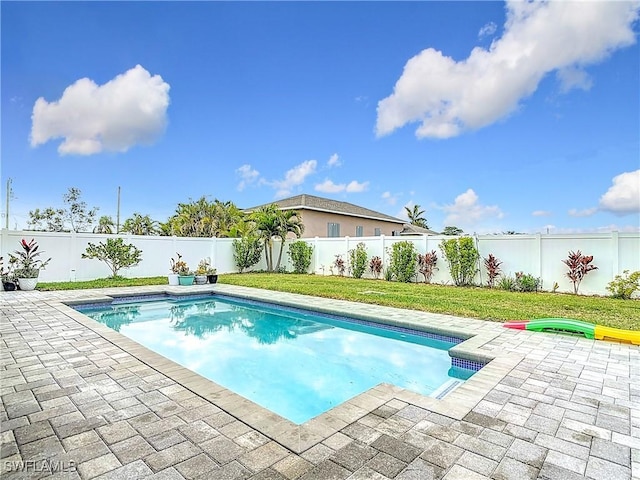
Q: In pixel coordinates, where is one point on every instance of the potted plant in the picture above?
(8, 280)
(185, 276)
(206, 272)
(26, 264)
(176, 265)
(201, 273)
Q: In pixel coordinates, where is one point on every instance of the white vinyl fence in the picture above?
(539, 255)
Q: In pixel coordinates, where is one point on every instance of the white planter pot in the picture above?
(173, 279)
(27, 283)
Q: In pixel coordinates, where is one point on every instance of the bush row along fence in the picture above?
(539, 255)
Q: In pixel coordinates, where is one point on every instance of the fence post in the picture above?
(346, 255)
(315, 255)
(615, 254)
(4, 241)
(73, 255)
(384, 252)
(537, 254)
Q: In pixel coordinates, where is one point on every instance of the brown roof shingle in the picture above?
(311, 202)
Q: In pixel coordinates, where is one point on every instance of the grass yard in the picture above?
(102, 283)
(484, 303)
(494, 305)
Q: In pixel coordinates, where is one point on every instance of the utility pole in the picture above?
(6, 213)
(118, 213)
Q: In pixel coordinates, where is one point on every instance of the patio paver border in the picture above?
(299, 438)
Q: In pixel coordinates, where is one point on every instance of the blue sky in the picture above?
(491, 116)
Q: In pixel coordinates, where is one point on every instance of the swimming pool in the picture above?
(294, 362)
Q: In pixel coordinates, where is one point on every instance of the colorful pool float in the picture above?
(589, 330)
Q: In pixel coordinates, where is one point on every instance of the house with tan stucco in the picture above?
(323, 217)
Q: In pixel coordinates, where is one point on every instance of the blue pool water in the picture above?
(295, 363)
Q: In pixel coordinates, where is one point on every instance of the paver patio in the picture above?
(81, 402)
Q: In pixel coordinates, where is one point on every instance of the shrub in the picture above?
(25, 263)
(375, 265)
(623, 286)
(522, 282)
(402, 261)
(358, 260)
(526, 282)
(492, 264)
(462, 257)
(247, 251)
(427, 265)
(388, 274)
(579, 266)
(300, 253)
(115, 253)
(507, 283)
(339, 264)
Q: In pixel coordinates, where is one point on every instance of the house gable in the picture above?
(317, 213)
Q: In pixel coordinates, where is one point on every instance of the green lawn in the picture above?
(494, 305)
(103, 282)
(484, 303)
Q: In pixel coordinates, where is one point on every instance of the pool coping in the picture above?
(299, 438)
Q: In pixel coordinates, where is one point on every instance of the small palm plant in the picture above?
(579, 265)
(375, 265)
(492, 264)
(26, 262)
(340, 265)
(427, 265)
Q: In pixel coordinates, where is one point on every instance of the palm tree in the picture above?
(141, 225)
(290, 222)
(202, 218)
(105, 225)
(268, 225)
(243, 228)
(227, 216)
(415, 216)
(452, 230)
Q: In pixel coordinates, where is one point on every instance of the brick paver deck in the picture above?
(79, 401)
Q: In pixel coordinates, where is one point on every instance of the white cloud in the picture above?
(334, 161)
(390, 198)
(247, 174)
(619, 228)
(572, 77)
(541, 213)
(356, 187)
(294, 177)
(623, 197)
(126, 111)
(448, 97)
(402, 213)
(467, 212)
(352, 187)
(329, 187)
(587, 212)
(487, 30)
(602, 229)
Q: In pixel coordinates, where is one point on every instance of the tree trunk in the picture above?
(280, 254)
